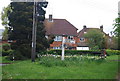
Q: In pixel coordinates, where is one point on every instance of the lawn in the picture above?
(106, 69)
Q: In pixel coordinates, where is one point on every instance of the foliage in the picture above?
(75, 52)
(7, 52)
(117, 30)
(114, 43)
(50, 61)
(4, 16)
(5, 34)
(17, 56)
(5, 21)
(113, 52)
(95, 38)
(117, 26)
(83, 52)
(6, 47)
(20, 29)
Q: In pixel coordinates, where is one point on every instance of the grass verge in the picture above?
(85, 70)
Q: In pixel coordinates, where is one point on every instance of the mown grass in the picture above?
(106, 69)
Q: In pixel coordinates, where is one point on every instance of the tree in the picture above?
(5, 21)
(5, 34)
(95, 39)
(21, 21)
(117, 30)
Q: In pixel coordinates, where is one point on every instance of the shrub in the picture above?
(6, 53)
(112, 52)
(75, 52)
(16, 54)
(50, 61)
(6, 47)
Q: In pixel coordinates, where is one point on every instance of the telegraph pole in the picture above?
(37, 12)
(34, 34)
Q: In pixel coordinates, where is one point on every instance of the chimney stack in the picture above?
(50, 18)
(101, 28)
(84, 27)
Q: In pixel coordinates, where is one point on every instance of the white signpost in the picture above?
(63, 48)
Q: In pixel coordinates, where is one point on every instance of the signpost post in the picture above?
(63, 46)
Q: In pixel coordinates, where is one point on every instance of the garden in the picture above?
(77, 65)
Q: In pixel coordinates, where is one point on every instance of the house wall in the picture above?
(82, 48)
(70, 42)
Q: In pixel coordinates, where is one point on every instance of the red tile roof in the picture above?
(60, 27)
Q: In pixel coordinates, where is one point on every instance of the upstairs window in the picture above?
(82, 39)
(70, 38)
(58, 38)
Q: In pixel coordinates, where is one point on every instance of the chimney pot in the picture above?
(84, 26)
(50, 18)
(101, 27)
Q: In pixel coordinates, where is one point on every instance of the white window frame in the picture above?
(58, 38)
(83, 39)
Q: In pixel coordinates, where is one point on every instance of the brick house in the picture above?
(83, 44)
(58, 28)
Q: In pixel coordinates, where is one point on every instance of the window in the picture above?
(58, 38)
(70, 37)
(82, 39)
(56, 48)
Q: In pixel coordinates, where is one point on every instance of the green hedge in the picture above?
(74, 52)
(113, 52)
(82, 52)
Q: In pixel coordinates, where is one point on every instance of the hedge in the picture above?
(83, 52)
(113, 52)
(74, 52)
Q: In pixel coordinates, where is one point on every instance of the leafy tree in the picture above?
(117, 30)
(21, 21)
(5, 34)
(114, 44)
(95, 39)
(5, 21)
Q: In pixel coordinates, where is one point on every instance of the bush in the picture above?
(17, 56)
(50, 61)
(6, 53)
(75, 52)
(6, 47)
(112, 52)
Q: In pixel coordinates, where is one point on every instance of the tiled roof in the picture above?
(60, 27)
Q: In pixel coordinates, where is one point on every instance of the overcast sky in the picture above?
(91, 13)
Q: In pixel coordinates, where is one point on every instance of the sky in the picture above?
(92, 13)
